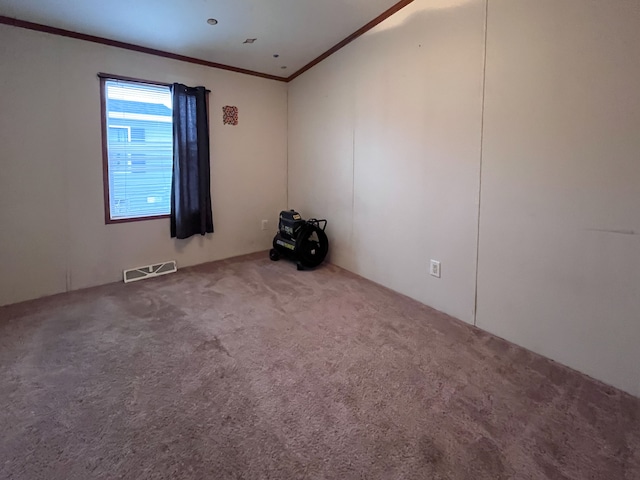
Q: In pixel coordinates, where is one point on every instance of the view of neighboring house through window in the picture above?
(139, 140)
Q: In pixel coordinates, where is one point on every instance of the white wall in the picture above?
(559, 268)
(385, 140)
(52, 232)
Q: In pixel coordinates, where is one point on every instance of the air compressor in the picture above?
(303, 241)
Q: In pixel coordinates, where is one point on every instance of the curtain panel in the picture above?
(191, 185)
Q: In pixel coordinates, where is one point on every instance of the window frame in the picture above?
(104, 77)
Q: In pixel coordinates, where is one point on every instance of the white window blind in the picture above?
(139, 147)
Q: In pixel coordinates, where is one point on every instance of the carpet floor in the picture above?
(249, 369)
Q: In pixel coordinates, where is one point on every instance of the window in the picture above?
(138, 149)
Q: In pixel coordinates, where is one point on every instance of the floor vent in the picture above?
(140, 273)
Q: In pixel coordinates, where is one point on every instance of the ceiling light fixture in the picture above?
(212, 21)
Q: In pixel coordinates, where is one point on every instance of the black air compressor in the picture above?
(303, 241)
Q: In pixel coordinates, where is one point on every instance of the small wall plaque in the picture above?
(230, 115)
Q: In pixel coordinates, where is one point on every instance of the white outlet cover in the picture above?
(434, 268)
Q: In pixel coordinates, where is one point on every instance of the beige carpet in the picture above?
(248, 369)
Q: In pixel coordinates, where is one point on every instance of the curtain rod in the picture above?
(108, 76)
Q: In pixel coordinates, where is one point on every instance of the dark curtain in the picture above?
(190, 188)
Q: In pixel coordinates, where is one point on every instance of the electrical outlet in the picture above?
(434, 268)
(265, 223)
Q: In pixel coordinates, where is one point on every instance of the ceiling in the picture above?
(297, 30)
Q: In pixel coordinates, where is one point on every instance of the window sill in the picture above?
(109, 221)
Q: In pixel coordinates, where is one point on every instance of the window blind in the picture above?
(140, 148)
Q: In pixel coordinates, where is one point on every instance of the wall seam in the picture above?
(482, 108)
(286, 176)
(353, 176)
(354, 117)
